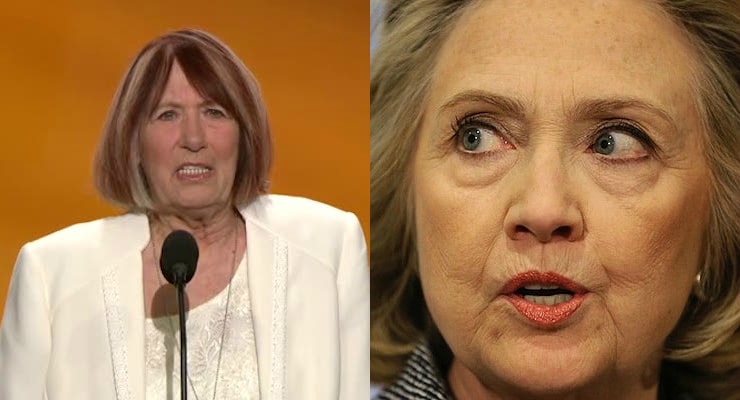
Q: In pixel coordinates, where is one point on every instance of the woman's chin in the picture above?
(547, 381)
(541, 370)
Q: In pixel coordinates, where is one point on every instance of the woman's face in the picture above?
(189, 150)
(560, 193)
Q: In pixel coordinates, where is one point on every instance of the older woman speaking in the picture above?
(555, 200)
(278, 307)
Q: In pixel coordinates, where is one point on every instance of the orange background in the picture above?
(60, 64)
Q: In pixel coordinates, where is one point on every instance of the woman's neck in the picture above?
(207, 231)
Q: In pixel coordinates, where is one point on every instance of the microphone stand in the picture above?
(183, 342)
(178, 262)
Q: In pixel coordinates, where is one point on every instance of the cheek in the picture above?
(650, 249)
(454, 235)
(155, 149)
(455, 232)
(664, 235)
(226, 143)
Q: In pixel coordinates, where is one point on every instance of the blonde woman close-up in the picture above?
(555, 192)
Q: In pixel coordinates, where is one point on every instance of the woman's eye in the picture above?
(168, 115)
(604, 144)
(479, 139)
(617, 144)
(215, 112)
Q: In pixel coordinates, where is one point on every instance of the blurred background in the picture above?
(60, 63)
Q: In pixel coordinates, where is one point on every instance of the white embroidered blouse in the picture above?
(217, 370)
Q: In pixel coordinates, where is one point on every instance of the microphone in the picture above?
(179, 257)
(178, 261)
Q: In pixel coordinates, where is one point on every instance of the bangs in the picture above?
(198, 70)
(152, 82)
(201, 74)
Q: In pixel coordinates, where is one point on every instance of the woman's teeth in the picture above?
(548, 300)
(546, 294)
(192, 170)
(539, 287)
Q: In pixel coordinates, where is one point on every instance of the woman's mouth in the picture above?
(193, 172)
(549, 295)
(545, 299)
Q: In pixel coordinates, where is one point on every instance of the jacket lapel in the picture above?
(267, 266)
(123, 294)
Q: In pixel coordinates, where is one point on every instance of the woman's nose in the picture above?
(543, 206)
(192, 135)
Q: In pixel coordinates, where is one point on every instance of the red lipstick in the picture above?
(571, 297)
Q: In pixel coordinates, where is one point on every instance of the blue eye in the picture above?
(622, 142)
(471, 138)
(604, 144)
(475, 137)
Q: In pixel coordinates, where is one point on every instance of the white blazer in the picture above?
(73, 326)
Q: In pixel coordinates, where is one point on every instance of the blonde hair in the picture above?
(218, 75)
(702, 354)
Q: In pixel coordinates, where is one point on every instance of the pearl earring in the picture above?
(698, 287)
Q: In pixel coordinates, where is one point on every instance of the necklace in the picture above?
(226, 309)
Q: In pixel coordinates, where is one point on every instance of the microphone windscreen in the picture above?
(179, 257)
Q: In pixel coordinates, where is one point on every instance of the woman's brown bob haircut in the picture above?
(218, 75)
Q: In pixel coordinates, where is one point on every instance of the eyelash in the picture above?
(633, 130)
(470, 120)
(162, 114)
(475, 120)
(212, 111)
(216, 112)
(627, 127)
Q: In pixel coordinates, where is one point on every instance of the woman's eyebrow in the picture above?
(584, 109)
(175, 104)
(511, 107)
(608, 107)
(208, 103)
(168, 104)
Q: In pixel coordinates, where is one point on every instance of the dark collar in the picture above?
(420, 379)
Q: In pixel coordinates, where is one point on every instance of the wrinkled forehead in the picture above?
(548, 53)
